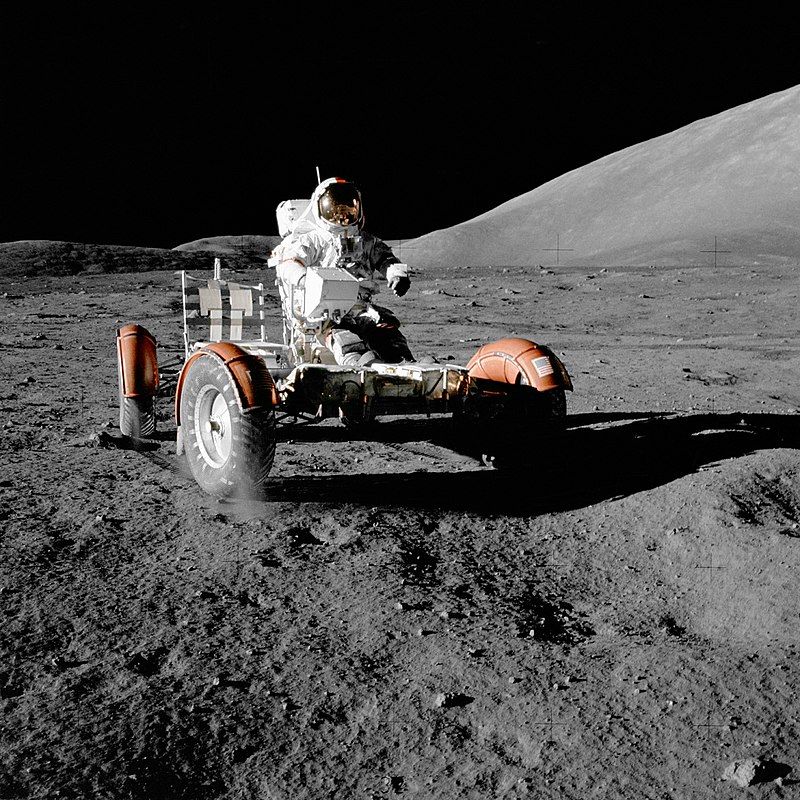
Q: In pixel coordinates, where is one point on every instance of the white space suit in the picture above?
(329, 234)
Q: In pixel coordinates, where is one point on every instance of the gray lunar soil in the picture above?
(620, 619)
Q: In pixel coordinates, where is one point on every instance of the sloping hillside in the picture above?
(733, 176)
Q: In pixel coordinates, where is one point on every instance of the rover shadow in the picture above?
(596, 457)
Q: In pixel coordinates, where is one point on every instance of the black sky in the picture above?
(156, 127)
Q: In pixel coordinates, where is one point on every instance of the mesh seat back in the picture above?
(216, 310)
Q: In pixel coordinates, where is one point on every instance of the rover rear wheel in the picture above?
(137, 415)
(512, 437)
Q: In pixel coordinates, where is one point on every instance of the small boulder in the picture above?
(452, 700)
(749, 771)
(102, 440)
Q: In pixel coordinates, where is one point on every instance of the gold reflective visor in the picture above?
(340, 204)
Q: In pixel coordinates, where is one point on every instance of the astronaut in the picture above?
(331, 234)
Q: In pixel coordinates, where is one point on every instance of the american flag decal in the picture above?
(543, 366)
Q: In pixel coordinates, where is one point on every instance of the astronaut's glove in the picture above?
(371, 313)
(400, 285)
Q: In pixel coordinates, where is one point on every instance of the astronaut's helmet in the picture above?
(340, 204)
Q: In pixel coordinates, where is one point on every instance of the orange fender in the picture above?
(138, 364)
(249, 374)
(520, 361)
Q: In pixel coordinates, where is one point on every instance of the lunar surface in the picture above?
(617, 619)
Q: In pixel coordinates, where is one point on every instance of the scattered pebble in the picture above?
(300, 536)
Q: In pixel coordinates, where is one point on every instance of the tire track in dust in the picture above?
(306, 487)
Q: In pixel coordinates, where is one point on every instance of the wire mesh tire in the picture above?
(509, 439)
(230, 452)
(137, 415)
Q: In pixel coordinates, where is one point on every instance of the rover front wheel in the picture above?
(230, 451)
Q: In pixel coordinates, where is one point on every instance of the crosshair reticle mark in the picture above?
(715, 251)
(558, 249)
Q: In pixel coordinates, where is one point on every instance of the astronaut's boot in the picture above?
(349, 350)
